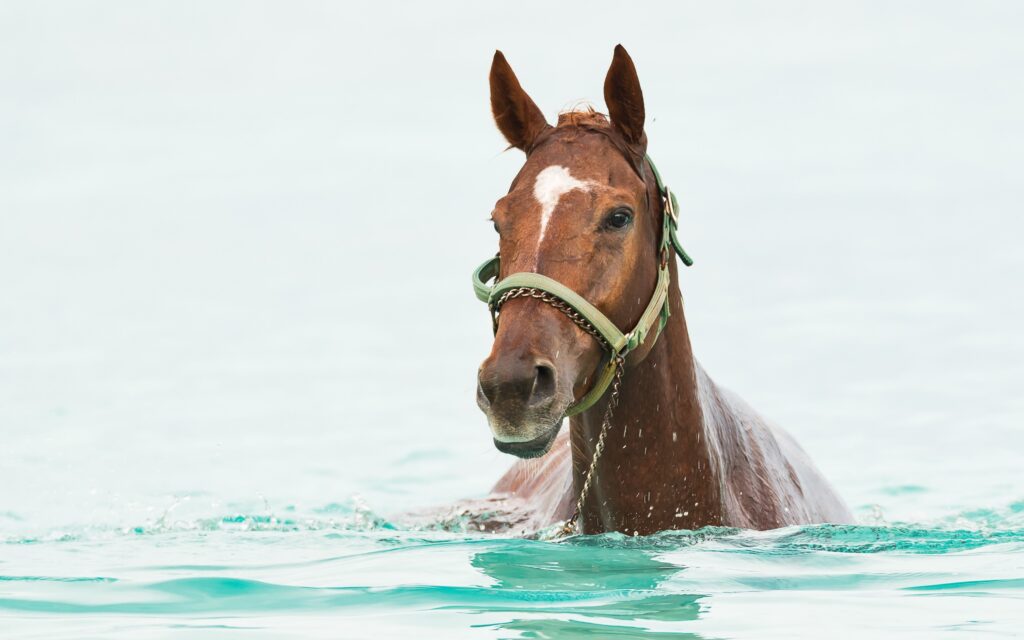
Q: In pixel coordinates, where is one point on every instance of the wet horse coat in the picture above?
(681, 453)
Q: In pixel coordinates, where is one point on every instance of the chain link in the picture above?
(613, 399)
(556, 302)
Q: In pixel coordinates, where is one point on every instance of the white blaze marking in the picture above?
(551, 184)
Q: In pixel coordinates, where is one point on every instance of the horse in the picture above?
(587, 232)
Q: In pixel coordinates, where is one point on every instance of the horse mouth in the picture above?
(530, 448)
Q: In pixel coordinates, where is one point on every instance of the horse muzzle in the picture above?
(523, 401)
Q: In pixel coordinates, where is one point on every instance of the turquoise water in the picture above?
(238, 343)
(346, 573)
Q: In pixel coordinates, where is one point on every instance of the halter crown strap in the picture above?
(672, 212)
(616, 342)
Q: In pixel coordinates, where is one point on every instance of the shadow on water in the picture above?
(585, 588)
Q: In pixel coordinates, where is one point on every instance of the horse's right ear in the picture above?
(518, 118)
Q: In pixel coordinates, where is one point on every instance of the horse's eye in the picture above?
(495, 223)
(619, 219)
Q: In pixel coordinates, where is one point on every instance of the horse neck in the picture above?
(657, 470)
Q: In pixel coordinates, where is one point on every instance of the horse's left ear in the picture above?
(624, 98)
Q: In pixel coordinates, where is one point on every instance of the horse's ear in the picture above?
(624, 98)
(517, 116)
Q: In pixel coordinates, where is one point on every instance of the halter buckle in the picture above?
(670, 207)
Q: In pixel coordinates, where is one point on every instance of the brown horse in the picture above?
(681, 452)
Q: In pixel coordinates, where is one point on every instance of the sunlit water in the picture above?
(237, 338)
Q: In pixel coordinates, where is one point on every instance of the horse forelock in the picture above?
(583, 115)
(583, 119)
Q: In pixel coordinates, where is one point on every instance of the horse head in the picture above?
(585, 211)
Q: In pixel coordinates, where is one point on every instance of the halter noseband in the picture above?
(612, 339)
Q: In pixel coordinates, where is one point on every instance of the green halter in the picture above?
(618, 343)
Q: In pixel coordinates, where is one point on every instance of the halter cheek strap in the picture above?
(616, 343)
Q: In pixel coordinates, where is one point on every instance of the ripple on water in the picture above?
(342, 561)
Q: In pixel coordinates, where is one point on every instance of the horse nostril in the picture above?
(515, 384)
(486, 387)
(543, 384)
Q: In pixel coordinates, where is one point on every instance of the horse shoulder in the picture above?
(770, 481)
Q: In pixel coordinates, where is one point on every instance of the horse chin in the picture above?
(534, 448)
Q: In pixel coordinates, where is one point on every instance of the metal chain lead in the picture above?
(613, 400)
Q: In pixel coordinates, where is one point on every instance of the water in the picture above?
(237, 339)
(347, 577)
